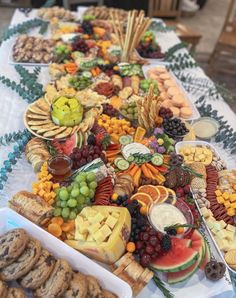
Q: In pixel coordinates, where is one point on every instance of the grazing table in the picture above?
(22, 175)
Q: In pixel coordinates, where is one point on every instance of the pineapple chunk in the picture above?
(111, 221)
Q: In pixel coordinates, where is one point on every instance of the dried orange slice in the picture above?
(151, 190)
(143, 198)
(163, 193)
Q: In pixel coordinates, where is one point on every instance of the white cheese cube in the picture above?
(229, 235)
(222, 223)
(93, 228)
(230, 228)
(79, 236)
(115, 214)
(106, 231)
(83, 227)
(99, 237)
(111, 221)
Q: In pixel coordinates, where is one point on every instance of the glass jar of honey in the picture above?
(60, 167)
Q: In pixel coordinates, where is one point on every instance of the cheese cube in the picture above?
(106, 231)
(99, 237)
(232, 197)
(88, 212)
(97, 218)
(93, 228)
(210, 223)
(229, 235)
(222, 223)
(227, 204)
(225, 195)
(221, 234)
(115, 214)
(230, 228)
(233, 205)
(231, 211)
(214, 231)
(222, 243)
(78, 221)
(83, 227)
(218, 193)
(220, 200)
(205, 212)
(210, 213)
(79, 236)
(90, 238)
(217, 226)
(111, 221)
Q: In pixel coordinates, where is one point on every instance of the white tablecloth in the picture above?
(12, 108)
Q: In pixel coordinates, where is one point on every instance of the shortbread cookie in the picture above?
(24, 263)
(94, 288)
(3, 289)
(12, 244)
(15, 293)
(40, 272)
(108, 294)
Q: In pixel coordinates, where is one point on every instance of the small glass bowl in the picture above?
(207, 120)
(179, 204)
(59, 165)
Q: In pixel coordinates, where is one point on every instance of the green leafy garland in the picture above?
(172, 51)
(9, 138)
(161, 27)
(194, 84)
(49, 3)
(21, 28)
(43, 28)
(28, 79)
(161, 286)
(28, 88)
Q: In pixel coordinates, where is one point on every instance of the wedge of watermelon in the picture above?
(182, 275)
(198, 244)
(207, 257)
(65, 147)
(177, 258)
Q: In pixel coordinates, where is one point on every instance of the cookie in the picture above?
(94, 288)
(40, 272)
(108, 294)
(12, 244)
(58, 281)
(3, 289)
(24, 263)
(16, 293)
(78, 287)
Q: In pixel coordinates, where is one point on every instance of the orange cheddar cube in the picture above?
(227, 204)
(225, 195)
(218, 193)
(220, 200)
(232, 197)
(231, 211)
(55, 186)
(53, 194)
(233, 205)
(41, 193)
(49, 176)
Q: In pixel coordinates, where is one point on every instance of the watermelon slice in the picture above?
(182, 275)
(185, 241)
(177, 258)
(207, 257)
(66, 147)
(198, 244)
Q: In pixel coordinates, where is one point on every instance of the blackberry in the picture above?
(91, 140)
(87, 27)
(166, 243)
(172, 232)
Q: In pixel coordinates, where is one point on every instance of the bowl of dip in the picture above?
(170, 213)
(60, 166)
(205, 128)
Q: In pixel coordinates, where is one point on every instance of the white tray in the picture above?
(178, 146)
(9, 219)
(187, 96)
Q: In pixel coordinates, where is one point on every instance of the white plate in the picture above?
(187, 96)
(9, 219)
(179, 145)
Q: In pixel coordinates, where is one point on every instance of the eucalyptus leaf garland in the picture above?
(13, 157)
(21, 28)
(9, 138)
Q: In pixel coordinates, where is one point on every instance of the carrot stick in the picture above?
(146, 171)
(134, 170)
(152, 168)
(137, 177)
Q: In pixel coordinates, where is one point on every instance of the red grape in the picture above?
(149, 249)
(145, 260)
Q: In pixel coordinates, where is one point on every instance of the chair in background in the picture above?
(67, 3)
(172, 9)
(226, 44)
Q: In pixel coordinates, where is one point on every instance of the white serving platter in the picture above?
(195, 114)
(9, 219)
(178, 146)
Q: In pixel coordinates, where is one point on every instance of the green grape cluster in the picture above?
(72, 199)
